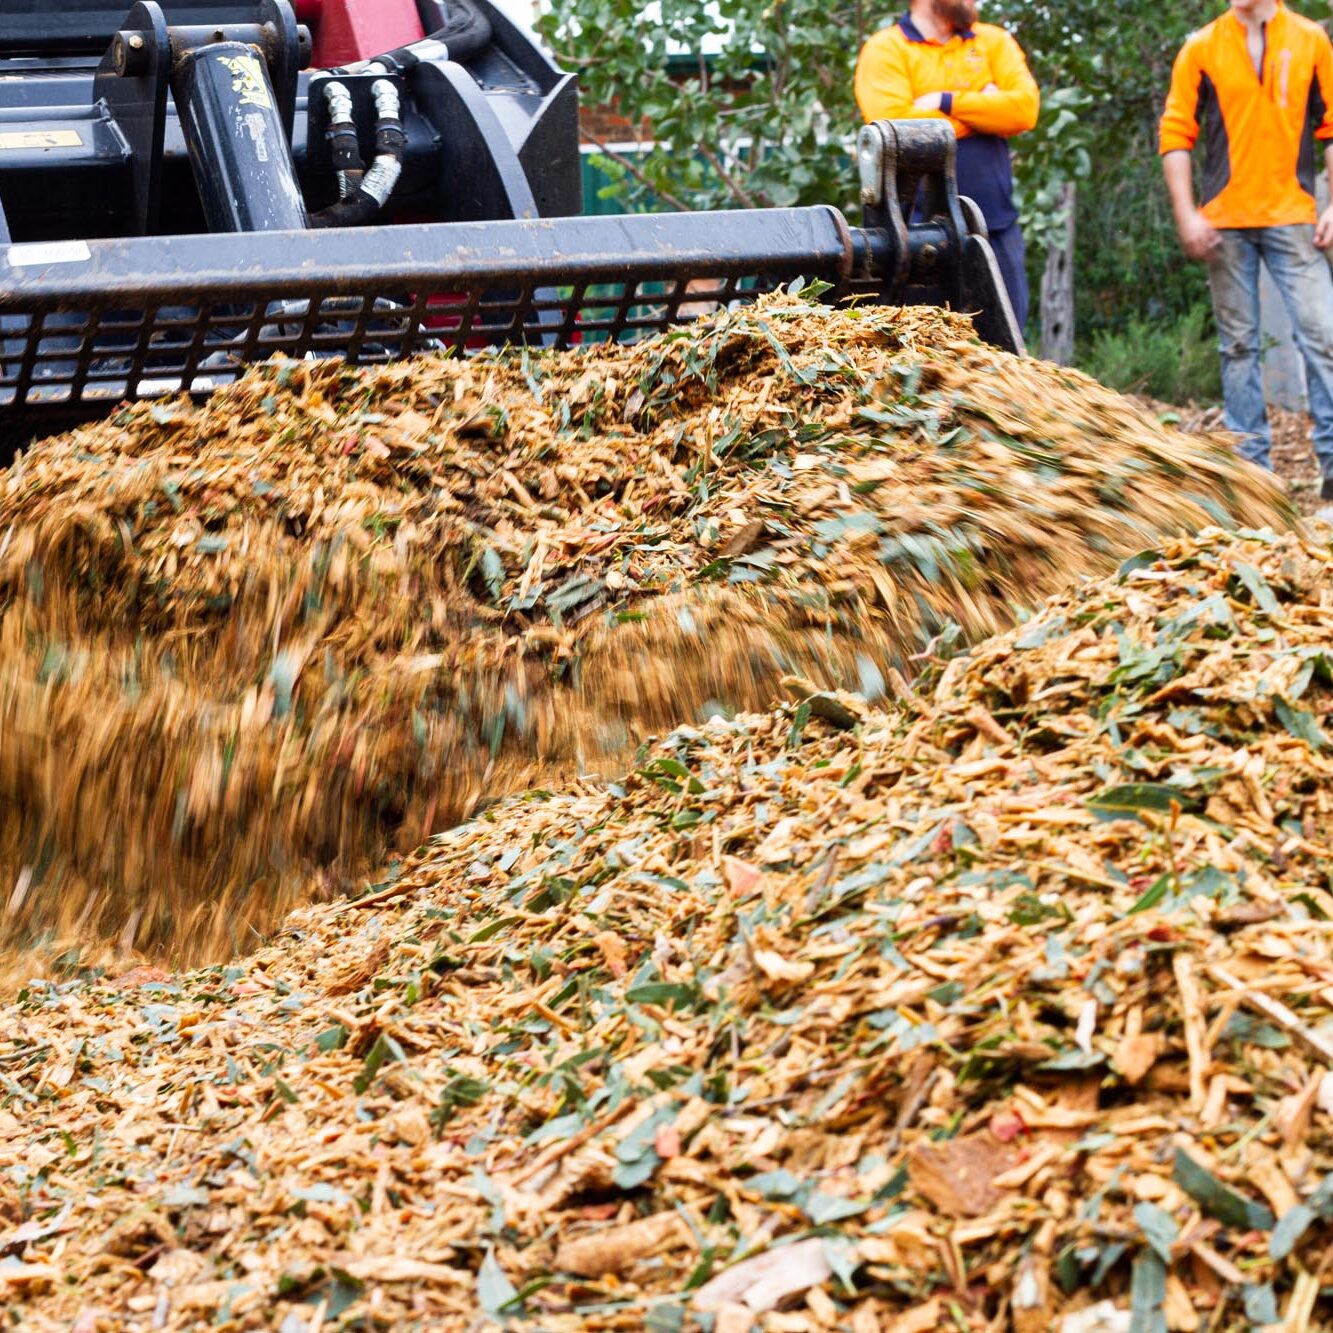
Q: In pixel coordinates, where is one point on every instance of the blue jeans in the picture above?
(1302, 276)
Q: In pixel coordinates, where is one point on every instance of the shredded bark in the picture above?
(1046, 1046)
(252, 648)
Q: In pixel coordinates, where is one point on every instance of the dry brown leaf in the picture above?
(764, 1280)
(958, 1175)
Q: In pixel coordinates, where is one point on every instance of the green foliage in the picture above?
(1058, 150)
(769, 120)
(1171, 359)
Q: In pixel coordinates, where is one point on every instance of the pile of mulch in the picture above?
(329, 612)
(1007, 1007)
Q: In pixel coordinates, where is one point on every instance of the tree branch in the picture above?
(629, 166)
(734, 188)
(588, 59)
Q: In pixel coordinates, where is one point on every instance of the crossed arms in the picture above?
(1007, 106)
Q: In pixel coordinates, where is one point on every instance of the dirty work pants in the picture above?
(1302, 276)
(1011, 256)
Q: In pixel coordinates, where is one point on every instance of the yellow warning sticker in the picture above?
(247, 81)
(41, 139)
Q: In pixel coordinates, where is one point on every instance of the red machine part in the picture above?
(349, 30)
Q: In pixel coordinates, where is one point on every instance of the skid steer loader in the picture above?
(189, 186)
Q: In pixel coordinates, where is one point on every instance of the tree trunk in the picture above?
(1057, 290)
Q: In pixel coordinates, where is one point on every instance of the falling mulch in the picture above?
(1006, 1007)
(330, 611)
(1293, 453)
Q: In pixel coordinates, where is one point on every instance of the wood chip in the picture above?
(959, 1175)
(1195, 1028)
(616, 1249)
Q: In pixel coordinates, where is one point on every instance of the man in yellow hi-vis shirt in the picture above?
(938, 62)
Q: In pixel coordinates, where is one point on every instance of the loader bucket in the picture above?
(85, 325)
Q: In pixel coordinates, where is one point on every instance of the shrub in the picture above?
(1173, 360)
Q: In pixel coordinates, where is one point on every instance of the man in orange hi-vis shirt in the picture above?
(938, 62)
(1258, 84)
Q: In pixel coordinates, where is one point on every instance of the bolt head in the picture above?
(136, 42)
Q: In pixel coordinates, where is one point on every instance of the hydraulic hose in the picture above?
(344, 142)
(363, 204)
(466, 32)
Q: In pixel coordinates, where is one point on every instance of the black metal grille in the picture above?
(60, 358)
(151, 317)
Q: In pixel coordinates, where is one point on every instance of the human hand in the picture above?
(928, 102)
(1199, 238)
(1323, 232)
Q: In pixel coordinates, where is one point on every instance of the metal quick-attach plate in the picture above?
(139, 105)
(937, 250)
(139, 318)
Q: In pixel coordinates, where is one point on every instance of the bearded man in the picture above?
(937, 62)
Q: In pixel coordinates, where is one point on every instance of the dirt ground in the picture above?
(1294, 458)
